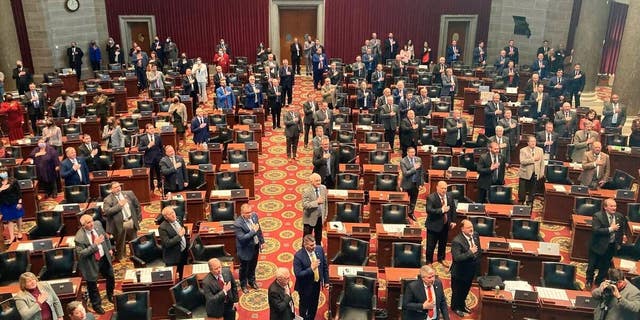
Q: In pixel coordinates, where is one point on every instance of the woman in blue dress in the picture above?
(11, 204)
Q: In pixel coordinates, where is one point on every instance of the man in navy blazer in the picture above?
(424, 298)
(312, 271)
(151, 144)
(466, 254)
(249, 240)
(253, 94)
(200, 127)
(74, 170)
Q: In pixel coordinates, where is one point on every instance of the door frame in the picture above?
(125, 34)
(470, 37)
(274, 20)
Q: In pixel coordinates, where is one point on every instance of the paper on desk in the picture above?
(200, 268)
(338, 193)
(393, 228)
(559, 188)
(363, 127)
(234, 165)
(221, 193)
(81, 120)
(25, 246)
(349, 271)
(145, 274)
(463, 207)
(516, 246)
(628, 265)
(99, 204)
(635, 228)
(336, 225)
(575, 165)
(549, 248)
(71, 241)
(511, 286)
(552, 293)
(58, 208)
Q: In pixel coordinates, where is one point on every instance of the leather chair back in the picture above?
(345, 136)
(132, 305)
(373, 137)
(340, 118)
(348, 212)
(358, 292)
(217, 119)
(164, 106)
(620, 180)
(13, 264)
(196, 179)
(440, 162)
(406, 255)
(617, 140)
(106, 158)
(105, 190)
(348, 181)
(426, 136)
(24, 172)
(222, 211)
(558, 275)
(8, 310)
(198, 157)
(386, 182)
(394, 213)
(500, 194)
(506, 269)
(245, 136)
(48, 224)
(131, 161)
(71, 128)
(237, 156)
(633, 212)
(353, 252)
(458, 191)
(58, 263)
(365, 119)
(467, 160)
(587, 206)
(129, 124)
(247, 119)
(484, 226)
(187, 293)
(145, 105)
(557, 174)
(76, 194)
(146, 248)
(525, 229)
(379, 157)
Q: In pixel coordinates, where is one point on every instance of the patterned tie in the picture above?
(94, 236)
(430, 299)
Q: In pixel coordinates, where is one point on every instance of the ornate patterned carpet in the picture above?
(278, 194)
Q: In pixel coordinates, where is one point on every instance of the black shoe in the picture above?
(110, 298)
(245, 290)
(460, 314)
(98, 310)
(254, 285)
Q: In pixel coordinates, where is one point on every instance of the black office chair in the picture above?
(145, 105)
(348, 212)
(386, 182)
(633, 212)
(129, 124)
(346, 153)
(196, 179)
(620, 180)
(406, 255)
(426, 136)
(227, 180)
(201, 253)
(500, 194)
(347, 181)
(217, 119)
(466, 160)
(247, 119)
(358, 299)
(481, 142)
(188, 299)
(243, 136)
(559, 275)
(131, 161)
(525, 229)
(629, 251)
(222, 211)
(394, 213)
(8, 309)
(379, 157)
(440, 162)
(353, 252)
(586, 206)
(506, 269)
(458, 191)
(24, 172)
(345, 136)
(146, 252)
(105, 190)
(71, 128)
(558, 174)
(132, 305)
(76, 194)
(179, 207)
(198, 157)
(484, 226)
(237, 156)
(373, 137)
(48, 224)
(340, 118)
(59, 263)
(106, 159)
(617, 140)
(13, 264)
(365, 119)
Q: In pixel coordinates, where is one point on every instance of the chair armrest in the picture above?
(60, 231)
(42, 272)
(374, 301)
(336, 258)
(74, 270)
(33, 232)
(149, 313)
(366, 260)
(401, 298)
(137, 262)
(182, 311)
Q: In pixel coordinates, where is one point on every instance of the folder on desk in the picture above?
(586, 302)
(525, 295)
(100, 174)
(238, 193)
(390, 168)
(498, 246)
(40, 245)
(207, 167)
(580, 189)
(117, 150)
(194, 195)
(163, 275)
(360, 230)
(62, 287)
(352, 167)
(521, 211)
(71, 208)
(227, 226)
(25, 184)
(625, 195)
(138, 171)
(476, 207)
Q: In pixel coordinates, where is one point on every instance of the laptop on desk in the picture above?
(159, 276)
(521, 211)
(41, 245)
(194, 195)
(586, 302)
(62, 287)
(498, 246)
(238, 193)
(476, 208)
(625, 195)
(580, 189)
(523, 295)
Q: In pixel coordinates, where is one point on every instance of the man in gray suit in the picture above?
(511, 127)
(625, 306)
(315, 207)
(122, 211)
(456, 130)
(565, 121)
(388, 115)
(503, 142)
(324, 118)
(412, 178)
(531, 170)
(316, 142)
(292, 129)
(173, 170)
(583, 140)
(614, 112)
(94, 255)
(595, 167)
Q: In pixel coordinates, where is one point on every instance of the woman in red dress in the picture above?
(222, 59)
(15, 117)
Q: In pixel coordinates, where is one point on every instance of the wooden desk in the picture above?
(245, 177)
(356, 196)
(252, 153)
(257, 132)
(71, 220)
(394, 278)
(69, 82)
(531, 261)
(334, 235)
(362, 130)
(369, 172)
(504, 305)
(426, 155)
(188, 227)
(629, 273)
(30, 201)
(159, 294)
(258, 112)
(119, 97)
(337, 285)
(365, 148)
(196, 207)
(343, 169)
(501, 212)
(131, 87)
(580, 237)
(221, 195)
(53, 90)
(212, 232)
(385, 244)
(35, 254)
(634, 231)
(92, 128)
(553, 309)
(624, 161)
(169, 138)
(215, 155)
(470, 181)
(139, 184)
(378, 198)
(65, 299)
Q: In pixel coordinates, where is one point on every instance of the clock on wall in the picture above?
(72, 5)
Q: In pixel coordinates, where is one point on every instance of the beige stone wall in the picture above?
(9, 43)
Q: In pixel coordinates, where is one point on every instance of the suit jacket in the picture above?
(335, 76)
(513, 57)
(478, 58)
(215, 300)
(435, 215)
(409, 172)
(309, 111)
(320, 116)
(113, 212)
(529, 88)
(174, 178)
(329, 96)
(404, 106)
(360, 99)
(245, 244)
(541, 137)
(31, 108)
(93, 162)
(324, 167)
(29, 308)
(450, 57)
(563, 127)
(589, 168)
(501, 63)
(600, 231)
(200, 135)
(422, 106)
(465, 264)
(415, 296)
(607, 112)
(303, 272)
(409, 135)
(315, 59)
(275, 101)
(223, 100)
(545, 106)
(486, 175)
(627, 307)
(449, 86)
(85, 250)
(490, 116)
(279, 303)
(390, 122)
(292, 124)
(71, 177)
(151, 155)
(296, 53)
(452, 131)
(22, 82)
(506, 151)
(310, 207)
(555, 92)
(170, 241)
(286, 77)
(580, 145)
(511, 81)
(528, 166)
(253, 96)
(187, 87)
(540, 67)
(512, 134)
(77, 60)
(390, 51)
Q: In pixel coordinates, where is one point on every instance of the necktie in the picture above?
(316, 274)
(328, 162)
(36, 101)
(79, 171)
(430, 299)
(597, 166)
(94, 236)
(495, 160)
(221, 284)
(614, 119)
(183, 243)
(612, 235)
(250, 225)
(126, 212)
(471, 244)
(150, 138)
(443, 200)
(89, 147)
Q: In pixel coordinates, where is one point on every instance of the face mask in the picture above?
(42, 144)
(4, 175)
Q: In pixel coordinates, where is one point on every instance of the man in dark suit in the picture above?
(151, 144)
(539, 66)
(287, 75)
(412, 178)
(503, 142)
(220, 292)
(456, 130)
(542, 108)
(512, 52)
(200, 127)
(454, 52)
(441, 215)
(312, 271)
(249, 241)
(174, 171)
(280, 301)
(405, 104)
(531, 86)
(501, 62)
(510, 75)
(449, 87)
(378, 80)
(614, 112)
(511, 128)
(73, 169)
(388, 115)
(466, 252)
(479, 55)
(391, 48)
(424, 298)
(493, 112)
(491, 167)
(576, 85)
(292, 130)
(324, 118)
(439, 70)
(565, 121)
(94, 253)
(253, 94)
(296, 53)
(274, 92)
(320, 63)
(409, 130)
(22, 76)
(325, 163)
(36, 105)
(609, 231)
(557, 84)
(547, 140)
(122, 212)
(190, 86)
(75, 54)
(309, 107)
(91, 152)
(173, 240)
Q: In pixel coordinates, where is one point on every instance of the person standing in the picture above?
(37, 300)
(388, 115)
(253, 94)
(174, 171)
(94, 255)
(220, 292)
(625, 306)
(325, 163)
(202, 76)
(173, 240)
(531, 170)
(11, 204)
(491, 168)
(178, 113)
(14, 111)
(409, 131)
(281, 305)
(466, 252)
(190, 86)
(249, 241)
(122, 211)
(22, 76)
(36, 106)
(73, 169)
(319, 60)
(441, 215)
(596, 167)
(275, 102)
(200, 127)
(95, 56)
(47, 163)
(412, 178)
(102, 105)
(493, 112)
(151, 144)
(609, 231)
(309, 108)
(424, 298)
(75, 54)
(315, 207)
(296, 54)
(287, 80)
(292, 130)
(456, 128)
(312, 272)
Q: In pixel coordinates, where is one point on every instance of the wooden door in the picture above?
(140, 34)
(457, 30)
(295, 23)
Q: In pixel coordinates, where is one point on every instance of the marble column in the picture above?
(590, 33)
(628, 68)
(9, 43)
